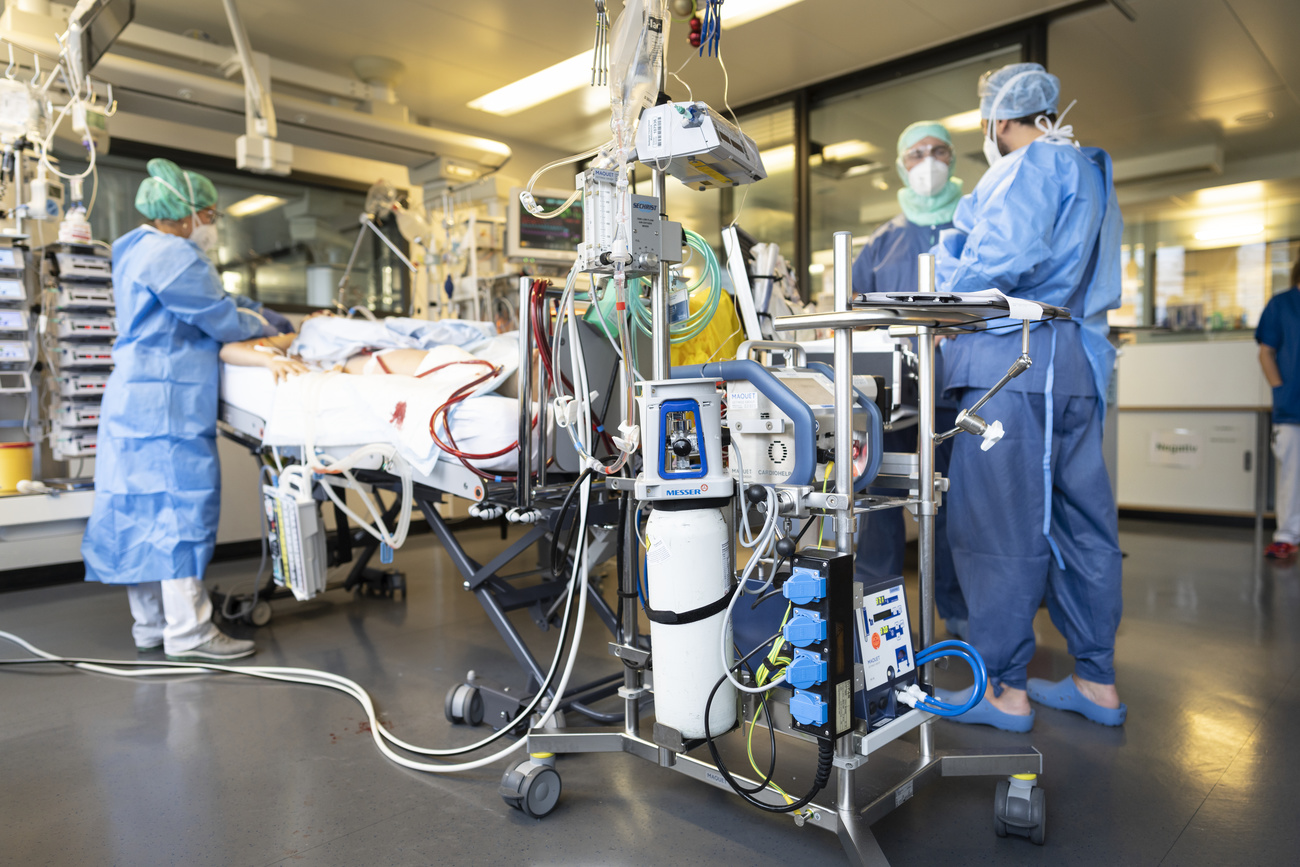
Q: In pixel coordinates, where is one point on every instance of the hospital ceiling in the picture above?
(456, 51)
(1186, 72)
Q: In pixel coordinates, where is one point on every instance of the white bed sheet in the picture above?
(351, 411)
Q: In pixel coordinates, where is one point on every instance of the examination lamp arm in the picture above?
(971, 423)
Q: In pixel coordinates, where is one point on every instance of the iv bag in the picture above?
(19, 109)
(636, 56)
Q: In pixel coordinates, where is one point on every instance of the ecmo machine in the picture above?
(843, 680)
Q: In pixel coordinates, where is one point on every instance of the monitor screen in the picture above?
(556, 239)
(101, 26)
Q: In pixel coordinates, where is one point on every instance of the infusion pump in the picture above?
(689, 141)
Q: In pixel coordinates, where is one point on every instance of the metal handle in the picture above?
(795, 354)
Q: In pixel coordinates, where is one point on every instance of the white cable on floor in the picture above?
(381, 736)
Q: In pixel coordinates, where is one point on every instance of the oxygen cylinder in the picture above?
(688, 562)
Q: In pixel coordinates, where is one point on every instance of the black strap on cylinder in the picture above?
(694, 615)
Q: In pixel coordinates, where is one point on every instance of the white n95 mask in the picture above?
(927, 177)
(204, 235)
(992, 152)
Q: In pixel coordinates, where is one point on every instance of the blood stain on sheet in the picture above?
(399, 414)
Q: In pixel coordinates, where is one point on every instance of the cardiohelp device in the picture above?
(688, 551)
(885, 642)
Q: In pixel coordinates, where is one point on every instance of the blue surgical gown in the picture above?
(888, 261)
(1034, 516)
(157, 480)
(888, 264)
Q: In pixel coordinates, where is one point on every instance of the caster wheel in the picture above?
(999, 805)
(532, 788)
(1038, 814)
(260, 615)
(464, 705)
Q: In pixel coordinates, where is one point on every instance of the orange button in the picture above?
(875, 641)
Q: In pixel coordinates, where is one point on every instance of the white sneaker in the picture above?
(220, 646)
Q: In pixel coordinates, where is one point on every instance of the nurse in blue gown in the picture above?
(888, 263)
(157, 480)
(1034, 516)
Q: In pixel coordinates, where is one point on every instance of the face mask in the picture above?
(927, 177)
(204, 235)
(992, 152)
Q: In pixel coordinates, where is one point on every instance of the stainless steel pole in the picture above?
(525, 477)
(843, 286)
(925, 484)
(659, 337)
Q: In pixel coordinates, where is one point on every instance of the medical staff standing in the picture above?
(157, 480)
(1034, 516)
(888, 263)
(1278, 336)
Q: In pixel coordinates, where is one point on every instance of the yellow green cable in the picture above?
(825, 483)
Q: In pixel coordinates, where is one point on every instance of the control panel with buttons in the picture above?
(888, 659)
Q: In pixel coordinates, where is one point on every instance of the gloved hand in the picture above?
(278, 321)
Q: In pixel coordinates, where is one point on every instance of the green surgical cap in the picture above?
(166, 195)
(913, 134)
(923, 129)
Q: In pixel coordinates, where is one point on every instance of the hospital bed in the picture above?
(338, 414)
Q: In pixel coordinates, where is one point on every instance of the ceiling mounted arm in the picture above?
(257, 150)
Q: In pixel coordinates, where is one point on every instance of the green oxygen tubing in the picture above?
(686, 328)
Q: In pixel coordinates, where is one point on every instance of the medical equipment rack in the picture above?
(858, 801)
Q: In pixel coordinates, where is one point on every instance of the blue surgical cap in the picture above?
(1034, 91)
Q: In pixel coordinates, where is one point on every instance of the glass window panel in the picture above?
(276, 236)
(1220, 254)
(855, 184)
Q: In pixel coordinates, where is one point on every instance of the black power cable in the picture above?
(565, 505)
(825, 762)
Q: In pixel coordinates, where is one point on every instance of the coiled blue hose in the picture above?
(960, 650)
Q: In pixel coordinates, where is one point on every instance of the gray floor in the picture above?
(209, 770)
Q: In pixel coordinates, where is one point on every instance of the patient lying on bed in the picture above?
(355, 346)
(440, 405)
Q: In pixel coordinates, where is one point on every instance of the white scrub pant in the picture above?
(175, 613)
(1286, 448)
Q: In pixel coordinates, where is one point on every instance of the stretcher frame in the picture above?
(497, 593)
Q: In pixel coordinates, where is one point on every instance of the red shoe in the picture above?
(1280, 551)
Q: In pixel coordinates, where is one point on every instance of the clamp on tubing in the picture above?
(875, 432)
(800, 414)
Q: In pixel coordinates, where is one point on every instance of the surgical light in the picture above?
(1222, 230)
(778, 159)
(966, 121)
(569, 75)
(736, 14)
(255, 204)
(847, 150)
(564, 77)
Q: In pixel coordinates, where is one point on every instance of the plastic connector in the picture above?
(806, 670)
(808, 709)
(530, 204)
(992, 436)
(804, 586)
(804, 628)
(566, 411)
(618, 250)
(911, 695)
(630, 440)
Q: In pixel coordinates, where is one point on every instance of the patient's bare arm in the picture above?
(266, 352)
